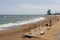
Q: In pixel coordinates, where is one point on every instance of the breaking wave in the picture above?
(18, 23)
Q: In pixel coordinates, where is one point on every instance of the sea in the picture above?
(7, 21)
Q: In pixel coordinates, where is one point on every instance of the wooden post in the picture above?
(55, 16)
(35, 27)
(29, 30)
(50, 22)
(39, 26)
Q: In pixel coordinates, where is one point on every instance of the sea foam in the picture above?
(18, 24)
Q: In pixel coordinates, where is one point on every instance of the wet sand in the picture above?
(16, 34)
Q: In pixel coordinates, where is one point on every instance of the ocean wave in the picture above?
(5, 16)
(18, 23)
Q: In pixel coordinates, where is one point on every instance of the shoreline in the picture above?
(10, 26)
(25, 28)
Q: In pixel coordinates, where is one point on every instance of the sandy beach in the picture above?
(17, 34)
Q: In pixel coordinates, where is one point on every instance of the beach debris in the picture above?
(57, 19)
(46, 24)
(42, 32)
(28, 36)
(48, 28)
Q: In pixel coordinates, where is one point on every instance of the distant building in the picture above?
(49, 12)
(56, 14)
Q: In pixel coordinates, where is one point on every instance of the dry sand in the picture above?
(52, 33)
(17, 33)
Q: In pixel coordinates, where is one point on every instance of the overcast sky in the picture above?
(18, 7)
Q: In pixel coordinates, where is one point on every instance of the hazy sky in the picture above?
(28, 6)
